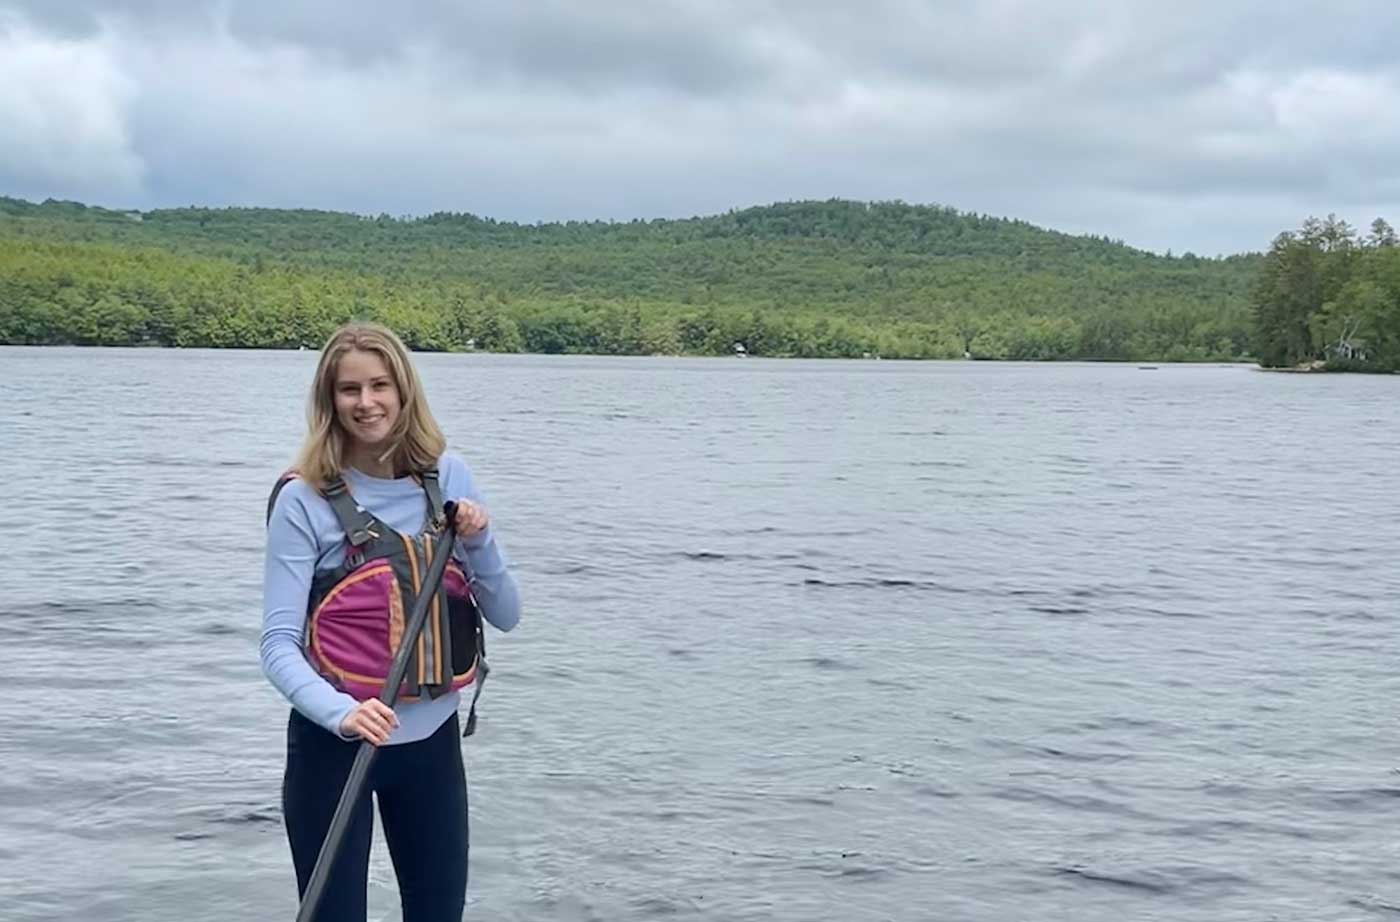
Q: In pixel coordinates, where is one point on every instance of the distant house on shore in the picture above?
(1346, 349)
(1347, 346)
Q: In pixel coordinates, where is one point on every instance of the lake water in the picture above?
(802, 640)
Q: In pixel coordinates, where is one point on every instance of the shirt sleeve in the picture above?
(493, 583)
(288, 570)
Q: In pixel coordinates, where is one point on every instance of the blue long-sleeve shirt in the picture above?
(304, 536)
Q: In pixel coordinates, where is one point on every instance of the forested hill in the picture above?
(805, 278)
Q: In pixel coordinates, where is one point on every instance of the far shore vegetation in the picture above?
(802, 279)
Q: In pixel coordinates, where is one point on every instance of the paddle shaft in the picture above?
(359, 772)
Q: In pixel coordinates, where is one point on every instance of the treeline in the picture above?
(800, 279)
(1326, 294)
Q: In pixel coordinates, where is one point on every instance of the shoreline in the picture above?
(1148, 364)
(1321, 366)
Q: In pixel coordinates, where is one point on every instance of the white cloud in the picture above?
(63, 107)
(1194, 125)
(1326, 107)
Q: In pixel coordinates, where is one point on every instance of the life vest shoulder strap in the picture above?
(429, 480)
(358, 523)
(285, 478)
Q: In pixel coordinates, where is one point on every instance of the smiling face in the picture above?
(367, 401)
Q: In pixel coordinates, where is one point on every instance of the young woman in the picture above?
(345, 535)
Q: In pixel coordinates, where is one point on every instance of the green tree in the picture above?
(1287, 295)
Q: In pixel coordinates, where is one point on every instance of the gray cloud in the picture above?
(1194, 125)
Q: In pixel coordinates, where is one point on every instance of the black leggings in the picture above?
(422, 793)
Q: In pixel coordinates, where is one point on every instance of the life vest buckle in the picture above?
(362, 535)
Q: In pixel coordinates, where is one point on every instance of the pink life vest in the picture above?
(357, 612)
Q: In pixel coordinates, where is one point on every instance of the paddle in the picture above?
(359, 772)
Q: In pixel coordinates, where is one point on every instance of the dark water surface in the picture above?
(803, 640)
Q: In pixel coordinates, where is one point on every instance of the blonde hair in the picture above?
(415, 443)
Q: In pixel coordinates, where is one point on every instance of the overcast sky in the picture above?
(1203, 125)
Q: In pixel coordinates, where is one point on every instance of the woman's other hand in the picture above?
(471, 519)
(371, 721)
